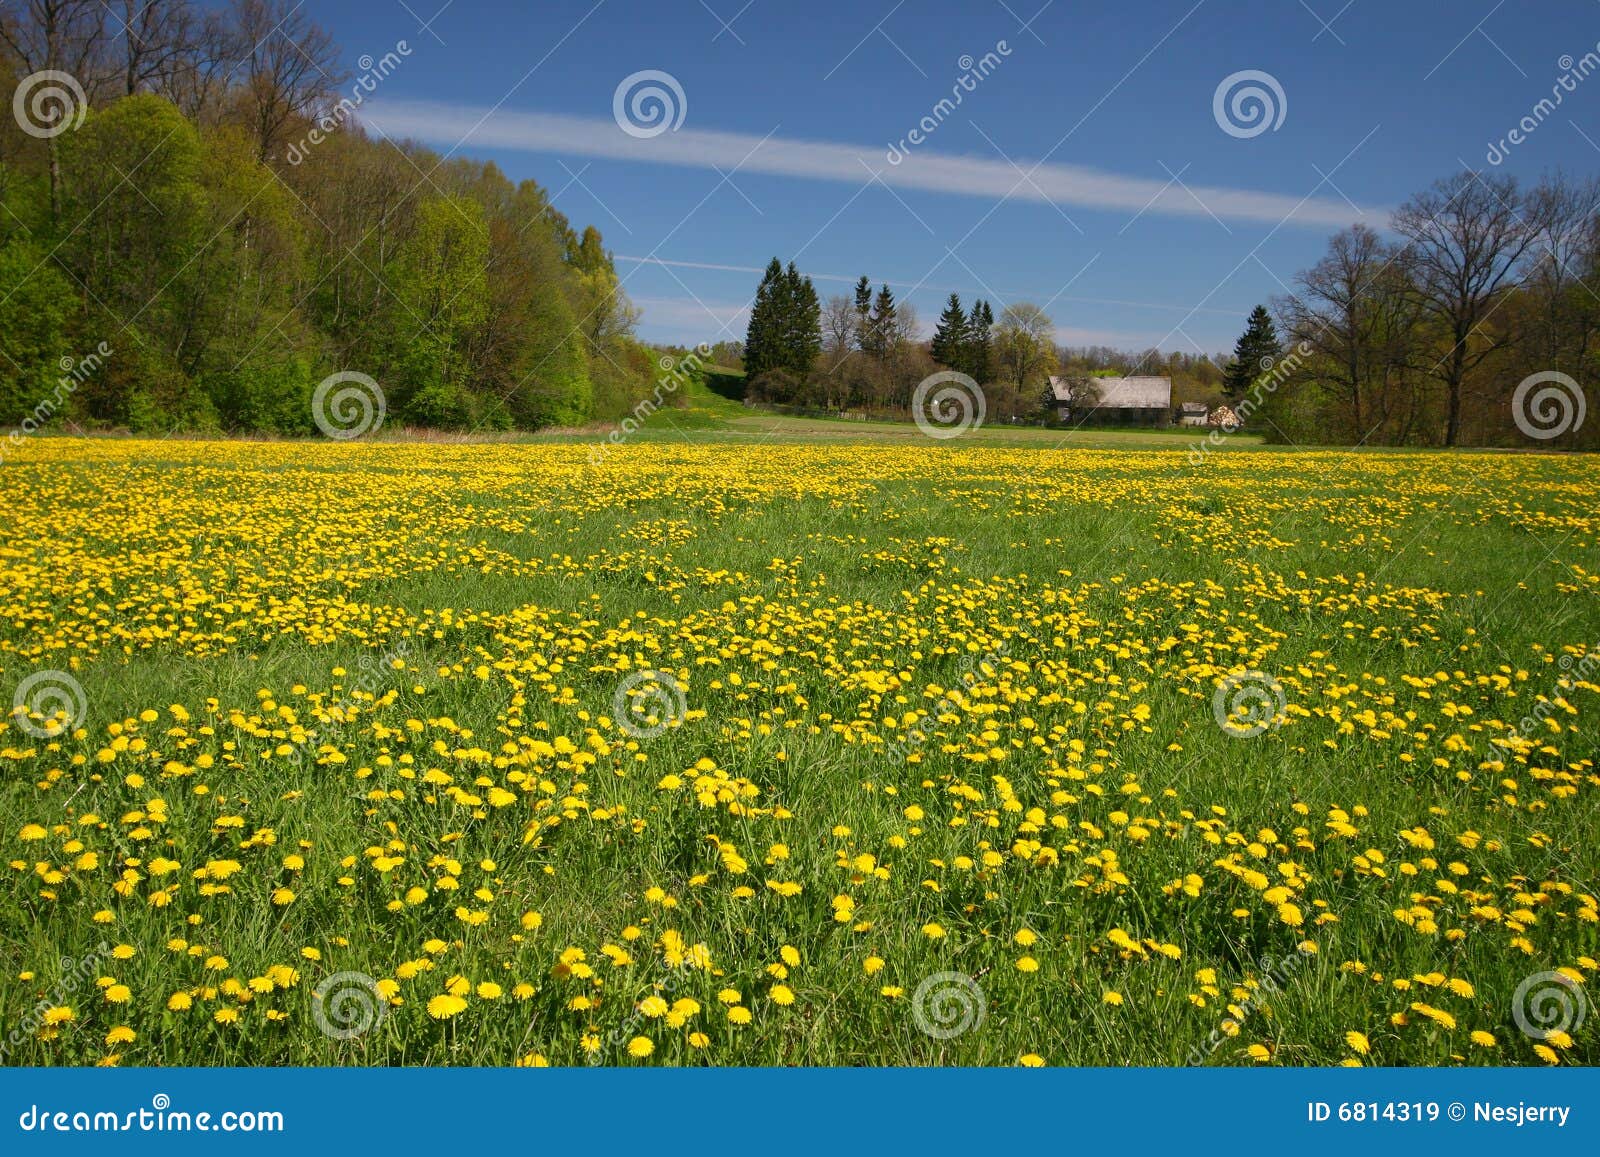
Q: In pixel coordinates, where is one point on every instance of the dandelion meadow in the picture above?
(743, 752)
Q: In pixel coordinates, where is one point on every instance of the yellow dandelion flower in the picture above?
(444, 1006)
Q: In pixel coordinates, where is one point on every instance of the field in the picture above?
(769, 748)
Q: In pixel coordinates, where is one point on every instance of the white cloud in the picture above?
(459, 126)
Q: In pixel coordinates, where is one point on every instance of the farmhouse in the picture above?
(1113, 401)
(1193, 414)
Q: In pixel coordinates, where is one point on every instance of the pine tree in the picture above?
(1255, 354)
(803, 328)
(949, 345)
(880, 327)
(762, 343)
(979, 354)
(863, 311)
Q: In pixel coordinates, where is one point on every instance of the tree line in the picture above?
(1427, 336)
(863, 352)
(1475, 319)
(211, 214)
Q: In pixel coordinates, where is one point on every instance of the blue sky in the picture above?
(1087, 171)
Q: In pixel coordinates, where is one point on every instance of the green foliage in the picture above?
(723, 382)
(615, 376)
(270, 394)
(229, 288)
(980, 342)
(439, 298)
(531, 355)
(35, 305)
(879, 337)
(1256, 352)
(762, 348)
(142, 388)
(949, 345)
(785, 331)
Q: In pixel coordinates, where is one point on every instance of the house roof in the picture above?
(1122, 393)
(1196, 408)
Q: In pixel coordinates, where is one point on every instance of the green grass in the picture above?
(1055, 615)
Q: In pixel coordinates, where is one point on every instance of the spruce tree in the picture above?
(880, 327)
(762, 350)
(863, 311)
(980, 348)
(1256, 352)
(949, 345)
(803, 329)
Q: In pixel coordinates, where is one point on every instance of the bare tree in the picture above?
(158, 40)
(198, 78)
(1467, 237)
(1564, 299)
(906, 328)
(289, 67)
(1356, 313)
(839, 324)
(57, 36)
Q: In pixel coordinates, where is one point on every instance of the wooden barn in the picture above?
(1113, 401)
